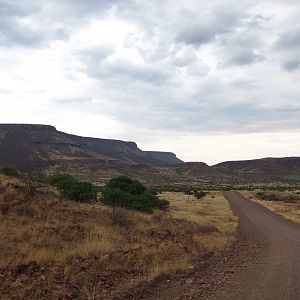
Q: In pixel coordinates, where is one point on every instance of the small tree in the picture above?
(127, 185)
(72, 188)
(131, 194)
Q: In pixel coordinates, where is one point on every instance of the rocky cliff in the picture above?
(165, 157)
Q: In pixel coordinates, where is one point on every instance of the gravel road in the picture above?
(264, 263)
(275, 274)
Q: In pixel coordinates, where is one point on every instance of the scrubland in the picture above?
(52, 248)
(283, 203)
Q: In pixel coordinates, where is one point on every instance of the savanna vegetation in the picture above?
(63, 242)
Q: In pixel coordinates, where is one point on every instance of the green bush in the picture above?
(9, 171)
(199, 194)
(131, 196)
(73, 189)
(266, 197)
(127, 185)
(189, 193)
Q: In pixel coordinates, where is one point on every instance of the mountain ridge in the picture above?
(42, 148)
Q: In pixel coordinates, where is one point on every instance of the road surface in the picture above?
(264, 264)
(276, 272)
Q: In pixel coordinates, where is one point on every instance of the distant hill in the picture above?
(196, 170)
(265, 167)
(41, 148)
(166, 157)
(33, 148)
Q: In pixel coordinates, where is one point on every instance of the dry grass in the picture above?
(84, 246)
(290, 211)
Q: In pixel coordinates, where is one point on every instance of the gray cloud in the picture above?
(202, 30)
(173, 70)
(291, 65)
(30, 23)
(244, 57)
(289, 39)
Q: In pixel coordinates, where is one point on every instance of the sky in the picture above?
(209, 80)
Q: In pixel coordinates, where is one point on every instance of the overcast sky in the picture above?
(210, 80)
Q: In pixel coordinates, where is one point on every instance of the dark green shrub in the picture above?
(127, 185)
(72, 188)
(131, 194)
(266, 197)
(115, 197)
(199, 194)
(9, 171)
(188, 193)
(144, 202)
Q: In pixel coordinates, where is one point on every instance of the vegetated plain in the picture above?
(56, 248)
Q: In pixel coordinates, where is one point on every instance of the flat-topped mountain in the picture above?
(42, 148)
(166, 157)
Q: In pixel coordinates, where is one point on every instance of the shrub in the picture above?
(127, 185)
(188, 193)
(199, 194)
(135, 199)
(266, 197)
(9, 171)
(72, 188)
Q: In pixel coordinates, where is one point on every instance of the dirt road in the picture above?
(276, 272)
(264, 264)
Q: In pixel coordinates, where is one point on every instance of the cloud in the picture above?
(150, 68)
(289, 39)
(291, 65)
(71, 100)
(202, 30)
(244, 57)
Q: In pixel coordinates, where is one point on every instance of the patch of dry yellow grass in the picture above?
(47, 229)
(290, 211)
(211, 210)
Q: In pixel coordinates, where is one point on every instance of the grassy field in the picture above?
(57, 249)
(287, 203)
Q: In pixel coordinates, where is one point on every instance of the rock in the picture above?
(189, 281)
(162, 233)
(105, 257)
